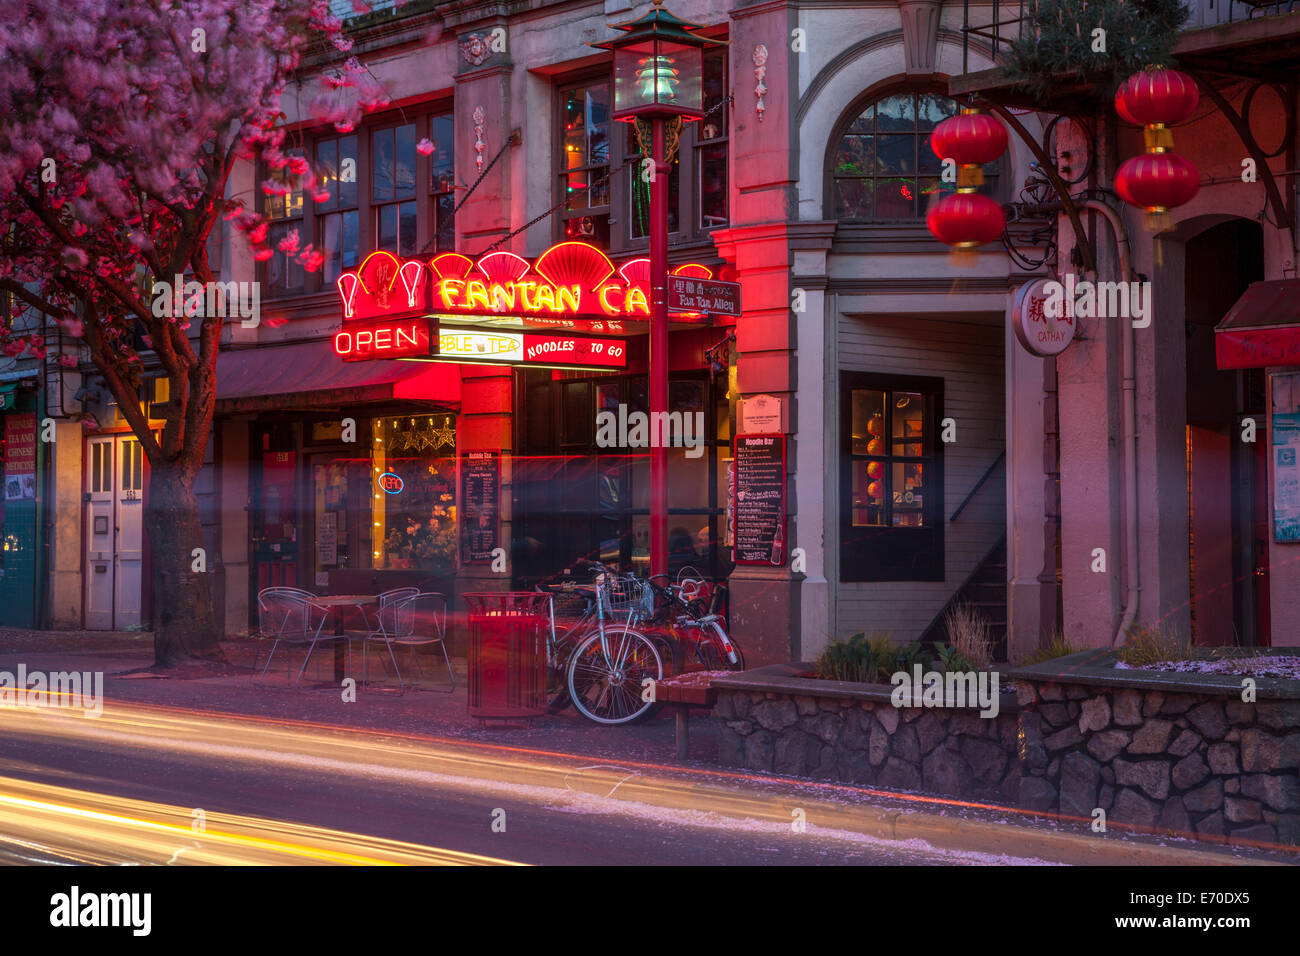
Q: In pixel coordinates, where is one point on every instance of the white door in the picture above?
(114, 531)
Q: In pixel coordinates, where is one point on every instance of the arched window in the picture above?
(883, 167)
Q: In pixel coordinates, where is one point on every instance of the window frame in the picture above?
(322, 212)
(690, 230)
(875, 553)
(425, 198)
(995, 172)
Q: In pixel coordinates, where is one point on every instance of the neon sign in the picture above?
(402, 338)
(529, 349)
(571, 280)
(391, 483)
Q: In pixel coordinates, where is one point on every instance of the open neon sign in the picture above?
(400, 338)
(569, 280)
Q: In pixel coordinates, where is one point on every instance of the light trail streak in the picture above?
(84, 827)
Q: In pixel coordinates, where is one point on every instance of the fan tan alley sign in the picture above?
(571, 280)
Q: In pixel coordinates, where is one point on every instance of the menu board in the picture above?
(760, 499)
(480, 505)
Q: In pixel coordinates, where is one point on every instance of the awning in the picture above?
(308, 375)
(1262, 328)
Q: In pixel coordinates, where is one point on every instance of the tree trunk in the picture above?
(184, 629)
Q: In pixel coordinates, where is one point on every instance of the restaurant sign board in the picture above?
(571, 280)
(1040, 332)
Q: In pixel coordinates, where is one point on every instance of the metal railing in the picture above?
(1002, 21)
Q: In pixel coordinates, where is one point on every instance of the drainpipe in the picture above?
(1129, 425)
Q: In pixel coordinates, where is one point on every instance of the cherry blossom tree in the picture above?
(120, 124)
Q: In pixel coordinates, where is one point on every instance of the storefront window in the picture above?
(894, 518)
(414, 512)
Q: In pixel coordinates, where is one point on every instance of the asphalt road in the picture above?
(159, 785)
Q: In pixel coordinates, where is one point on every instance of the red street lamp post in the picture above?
(658, 83)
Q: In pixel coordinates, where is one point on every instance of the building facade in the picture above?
(928, 457)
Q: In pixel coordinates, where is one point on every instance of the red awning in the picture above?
(1262, 328)
(305, 375)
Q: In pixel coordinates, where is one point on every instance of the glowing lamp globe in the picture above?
(658, 66)
(1157, 182)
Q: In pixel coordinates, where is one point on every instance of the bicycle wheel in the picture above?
(710, 651)
(557, 674)
(607, 690)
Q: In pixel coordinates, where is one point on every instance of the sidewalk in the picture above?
(126, 659)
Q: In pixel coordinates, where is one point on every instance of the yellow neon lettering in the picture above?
(449, 290)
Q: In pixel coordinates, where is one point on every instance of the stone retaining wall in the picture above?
(853, 733)
(1174, 752)
(1179, 762)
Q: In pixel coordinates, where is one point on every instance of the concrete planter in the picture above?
(1177, 752)
(776, 721)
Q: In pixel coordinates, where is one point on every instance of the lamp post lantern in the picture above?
(658, 84)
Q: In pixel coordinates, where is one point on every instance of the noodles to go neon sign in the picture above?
(569, 280)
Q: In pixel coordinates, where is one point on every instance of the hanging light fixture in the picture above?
(966, 219)
(1159, 179)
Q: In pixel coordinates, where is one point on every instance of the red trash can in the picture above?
(507, 653)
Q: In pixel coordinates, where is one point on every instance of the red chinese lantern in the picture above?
(965, 220)
(1157, 182)
(876, 490)
(1157, 99)
(874, 469)
(1160, 179)
(970, 139)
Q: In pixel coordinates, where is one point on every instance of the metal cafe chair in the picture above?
(396, 594)
(290, 616)
(388, 597)
(413, 621)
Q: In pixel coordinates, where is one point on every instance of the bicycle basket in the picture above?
(626, 595)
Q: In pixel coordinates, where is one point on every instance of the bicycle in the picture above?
(687, 616)
(601, 662)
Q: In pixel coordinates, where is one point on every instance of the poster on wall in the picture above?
(760, 499)
(327, 539)
(20, 457)
(1286, 450)
(480, 505)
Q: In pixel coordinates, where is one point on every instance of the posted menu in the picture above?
(760, 499)
(480, 504)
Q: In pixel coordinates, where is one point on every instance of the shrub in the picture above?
(1154, 643)
(859, 659)
(1058, 646)
(969, 632)
(951, 660)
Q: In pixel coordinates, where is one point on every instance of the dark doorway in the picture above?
(1226, 486)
